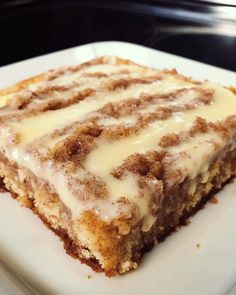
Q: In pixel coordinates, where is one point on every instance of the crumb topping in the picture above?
(117, 132)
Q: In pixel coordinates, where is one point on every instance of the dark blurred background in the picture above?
(200, 30)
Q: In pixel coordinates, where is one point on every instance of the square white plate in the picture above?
(177, 266)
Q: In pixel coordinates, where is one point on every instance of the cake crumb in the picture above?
(186, 222)
(214, 200)
(2, 190)
(89, 276)
(198, 245)
(2, 186)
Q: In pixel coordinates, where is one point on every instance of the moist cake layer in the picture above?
(115, 143)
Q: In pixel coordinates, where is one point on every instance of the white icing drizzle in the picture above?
(36, 126)
(110, 154)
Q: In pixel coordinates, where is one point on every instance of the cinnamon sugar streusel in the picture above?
(114, 156)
